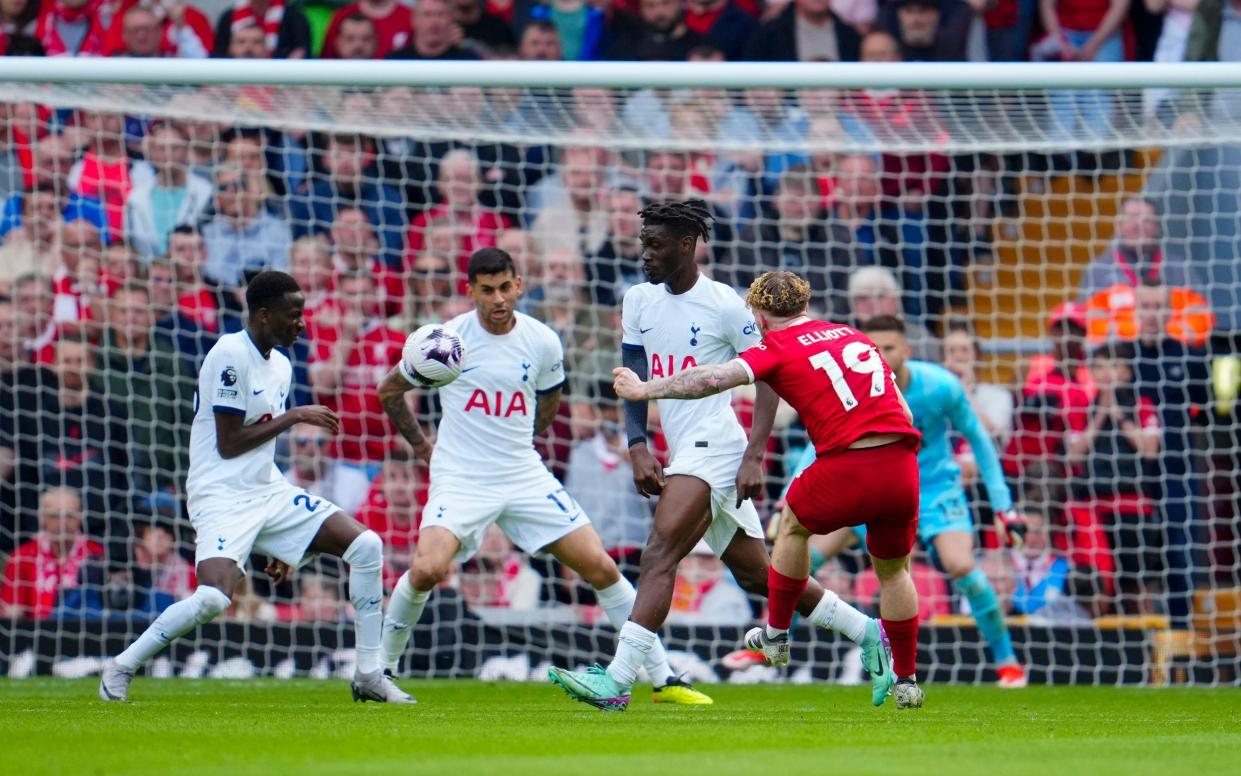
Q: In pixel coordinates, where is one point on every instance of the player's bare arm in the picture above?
(750, 473)
(694, 383)
(391, 392)
(545, 409)
(235, 439)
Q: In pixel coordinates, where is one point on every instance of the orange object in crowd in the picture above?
(1111, 314)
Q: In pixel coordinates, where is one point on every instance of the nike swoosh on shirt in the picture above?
(644, 331)
(468, 368)
(256, 393)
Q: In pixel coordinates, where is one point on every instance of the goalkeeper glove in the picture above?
(1012, 528)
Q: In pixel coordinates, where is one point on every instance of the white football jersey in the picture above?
(709, 324)
(487, 429)
(236, 378)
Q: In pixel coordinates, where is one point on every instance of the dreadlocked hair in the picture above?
(691, 218)
(780, 293)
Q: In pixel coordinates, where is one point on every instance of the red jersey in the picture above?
(484, 229)
(834, 377)
(1082, 15)
(108, 182)
(399, 532)
(1054, 404)
(393, 30)
(70, 302)
(34, 575)
(365, 431)
(201, 308)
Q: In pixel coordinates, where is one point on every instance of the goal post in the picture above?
(1064, 238)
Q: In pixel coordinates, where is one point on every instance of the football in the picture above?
(434, 355)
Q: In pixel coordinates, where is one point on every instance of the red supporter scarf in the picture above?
(243, 16)
(53, 46)
(1152, 272)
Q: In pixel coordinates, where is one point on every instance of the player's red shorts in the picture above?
(873, 486)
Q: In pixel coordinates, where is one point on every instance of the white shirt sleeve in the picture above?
(551, 367)
(631, 307)
(227, 382)
(739, 327)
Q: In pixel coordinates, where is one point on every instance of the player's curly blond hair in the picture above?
(780, 293)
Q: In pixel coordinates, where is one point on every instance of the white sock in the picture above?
(834, 614)
(633, 649)
(405, 606)
(202, 607)
(617, 600)
(774, 632)
(365, 557)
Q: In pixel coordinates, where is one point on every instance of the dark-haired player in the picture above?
(867, 469)
(239, 502)
(484, 468)
(677, 321)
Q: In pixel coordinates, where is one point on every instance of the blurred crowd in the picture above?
(126, 241)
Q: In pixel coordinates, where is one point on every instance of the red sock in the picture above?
(782, 595)
(903, 636)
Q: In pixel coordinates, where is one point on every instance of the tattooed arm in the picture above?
(545, 408)
(391, 391)
(693, 383)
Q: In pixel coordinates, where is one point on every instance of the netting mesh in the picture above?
(134, 216)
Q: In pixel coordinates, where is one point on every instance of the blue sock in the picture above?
(986, 609)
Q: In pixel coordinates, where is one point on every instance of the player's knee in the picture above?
(956, 568)
(601, 571)
(427, 575)
(888, 570)
(752, 581)
(365, 553)
(209, 603)
(790, 525)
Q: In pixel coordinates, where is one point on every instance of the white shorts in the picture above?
(533, 511)
(720, 473)
(282, 523)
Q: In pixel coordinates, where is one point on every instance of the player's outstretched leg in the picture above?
(582, 551)
(681, 519)
(955, 550)
(898, 606)
(215, 575)
(747, 558)
(433, 556)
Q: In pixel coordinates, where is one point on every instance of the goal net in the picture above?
(1070, 254)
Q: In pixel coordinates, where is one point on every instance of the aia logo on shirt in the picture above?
(666, 366)
(228, 376)
(497, 405)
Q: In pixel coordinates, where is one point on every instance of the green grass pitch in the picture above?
(289, 728)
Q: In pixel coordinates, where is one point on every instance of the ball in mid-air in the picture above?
(434, 355)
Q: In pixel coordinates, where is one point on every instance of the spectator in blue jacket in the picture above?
(1046, 584)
